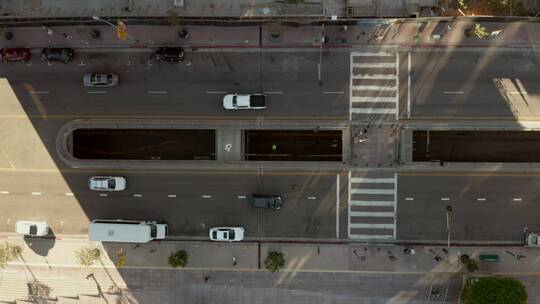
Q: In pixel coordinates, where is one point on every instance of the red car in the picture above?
(15, 54)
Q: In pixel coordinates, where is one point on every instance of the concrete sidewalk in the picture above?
(415, 33)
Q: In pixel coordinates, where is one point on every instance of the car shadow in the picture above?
(41, 245)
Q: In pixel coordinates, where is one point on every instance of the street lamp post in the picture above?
(448, 210)
(97, 18)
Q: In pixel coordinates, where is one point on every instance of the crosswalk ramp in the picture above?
(372, 206)
(374, 85)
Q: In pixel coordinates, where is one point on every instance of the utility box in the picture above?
(532, 239)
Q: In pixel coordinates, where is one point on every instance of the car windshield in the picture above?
(214, 234)
(32, 230)
(111, 184)
(153, 231)
(231, 234)
(234, 101)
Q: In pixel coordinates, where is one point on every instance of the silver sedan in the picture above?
(100, 80)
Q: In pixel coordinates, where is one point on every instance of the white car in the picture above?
(100, 80)
(107, 183)
(227, 234)
(244, 101)
(31, 228)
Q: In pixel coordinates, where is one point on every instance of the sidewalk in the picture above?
(410, 33)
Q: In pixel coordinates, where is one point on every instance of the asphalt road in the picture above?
(179, 90)
(486, 207)
(460, 84)
(190, 203)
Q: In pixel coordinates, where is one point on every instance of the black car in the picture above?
(266, 201)
(57, 54)
(174, 54)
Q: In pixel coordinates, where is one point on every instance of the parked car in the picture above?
(175, 54)
(266, 201)
(227, 234)
(100, 80)
(244, 101)
(107, 183)
(57, 54)
(32, 228)
(15, 54)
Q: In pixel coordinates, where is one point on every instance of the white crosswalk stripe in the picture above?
(372, 206)
(374, 86)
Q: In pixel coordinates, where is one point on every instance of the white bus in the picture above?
(126, 231)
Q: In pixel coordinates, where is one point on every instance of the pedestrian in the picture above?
(206, 279)
(234, 261)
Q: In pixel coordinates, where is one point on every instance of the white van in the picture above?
(126, 231)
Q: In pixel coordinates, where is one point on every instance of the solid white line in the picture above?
(373, 99)
(409, 198)
(374, 65)
(4, 192)
(520, 93)
(137, 195)
(372, 203)
(241, 196)
(445, 199)
(103, 194)
(157, 92)
(171, 195)
(272, 92)
(349, 208)
(372, 226)
(397, 85)
(82, 63)
(395, 205)
(370, 236)
(409, 85)
(371, 214)
(215, 92)
(96, 92)
(369, 54)
(481, 199)
(517, 200)
(329, 92)
(350, 96)
(311, 197)
(373, 88)
(453, 92)
(206, 196)
(375, 76)
(36, 193)
(372, 191)
(68, 194)
(372, 180)
(337, 206)
(39, 92)
(373, 111)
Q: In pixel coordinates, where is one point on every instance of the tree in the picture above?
(178, 258)
(471, 264)
(8, 253)
(493, 290)
(274, 261)
(479, 32)
(87, 256)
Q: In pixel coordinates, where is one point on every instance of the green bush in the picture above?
(87, 256)
(8, 253)
(493, 290)
(274, 261)
(178, 258)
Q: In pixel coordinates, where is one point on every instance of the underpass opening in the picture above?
(293, 145)
(144, 144)
(476, 146)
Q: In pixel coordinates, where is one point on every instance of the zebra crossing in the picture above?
(374, 85)
(372, 206)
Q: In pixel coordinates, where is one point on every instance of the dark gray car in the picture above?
(266, 201)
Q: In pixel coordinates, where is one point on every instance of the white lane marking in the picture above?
(49, 63)
(370, 214)
(149, 63)
(129, 63)
(206, 196)
(521, 93)
(68, 194)
(103, 194)
(372, 203)
(82, 63)
(375, 88)
(517, 199)
(395, 201)
(409, 198)
(171, 195)
(372, 180)
(374, 76)
(39, 92)
(372, 191)
(382, 65)
(481, 199)
(409, 85)
(397, 88)
(272, 92)
(96, 92)
(4, 192)
(330, 92)
(370, 54)
(157, 92)
(377, 99)
(241, 196)
(453, 92)
(215, 92)
(373, 111)
(311, 197)
(445, 199)
(137, 195)
(337, 205)
(36, 193)
(29, 63)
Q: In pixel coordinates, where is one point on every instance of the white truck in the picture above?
(244, 101)
(126, 231)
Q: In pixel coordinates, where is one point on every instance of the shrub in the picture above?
(8, 253)
(493, 290)
(178, 258)
(274, 261)
(87, 256)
